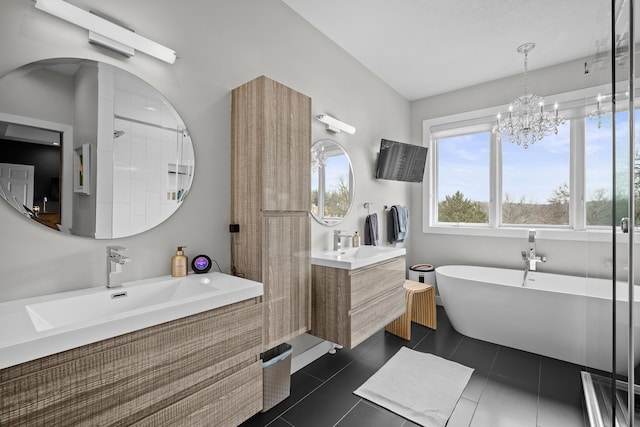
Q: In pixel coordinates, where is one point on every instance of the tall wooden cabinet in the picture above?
(270, 199)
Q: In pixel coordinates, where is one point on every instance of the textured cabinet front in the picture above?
(270, 199)
(227, 402)
(286, 174)
(370, 282)
(375, 315)
(286, 278)
(271, 147)
(155, 373)
(348, 306)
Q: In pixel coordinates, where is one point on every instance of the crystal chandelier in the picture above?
(600, 113)
(528, 122)
(318, 157)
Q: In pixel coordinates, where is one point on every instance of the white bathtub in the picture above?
(564, 317)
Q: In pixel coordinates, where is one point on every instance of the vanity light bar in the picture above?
(334, 125)
(101, 26)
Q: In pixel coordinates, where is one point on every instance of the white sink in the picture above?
(352, 258)
(35, 327)
(85, 308)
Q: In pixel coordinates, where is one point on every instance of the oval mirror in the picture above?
(332, 183)
(91, 150)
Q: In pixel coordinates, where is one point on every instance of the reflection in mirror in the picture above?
(332, 184)
(91, 150)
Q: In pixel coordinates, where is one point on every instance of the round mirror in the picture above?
(91, 150)
(332, 184)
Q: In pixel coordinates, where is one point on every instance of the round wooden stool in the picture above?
(420, 308)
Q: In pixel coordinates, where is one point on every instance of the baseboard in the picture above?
(315, 352)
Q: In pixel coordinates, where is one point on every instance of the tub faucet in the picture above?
(531, 260)
(337, 239)
(115, 261)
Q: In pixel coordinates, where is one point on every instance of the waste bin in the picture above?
(424, 273)
(276, 375)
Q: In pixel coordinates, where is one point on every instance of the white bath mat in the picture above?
(418, 386)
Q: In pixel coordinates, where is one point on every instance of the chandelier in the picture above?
(528, 122)
(318, 157)
(600, 113)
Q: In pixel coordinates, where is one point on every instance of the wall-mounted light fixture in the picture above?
(106, 33)
(335, 125)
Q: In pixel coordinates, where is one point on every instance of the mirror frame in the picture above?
(352, 183)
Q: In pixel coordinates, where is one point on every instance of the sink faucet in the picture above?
(115, 261)
(337, 239)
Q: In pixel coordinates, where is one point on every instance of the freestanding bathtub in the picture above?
(563, 317)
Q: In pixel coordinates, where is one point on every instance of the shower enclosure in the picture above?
(612, 397)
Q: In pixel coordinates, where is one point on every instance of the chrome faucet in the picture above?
(115, 261)
(337, 239)
(531, 260)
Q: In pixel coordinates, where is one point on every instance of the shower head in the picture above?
(117, 133)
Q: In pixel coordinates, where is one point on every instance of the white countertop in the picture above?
(31, 328)
(353, 258)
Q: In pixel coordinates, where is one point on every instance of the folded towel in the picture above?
(403, 223)
(391, 224)
(398, 224)
(403, 219)
(371, 230)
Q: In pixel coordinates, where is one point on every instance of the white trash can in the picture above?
(425, 273)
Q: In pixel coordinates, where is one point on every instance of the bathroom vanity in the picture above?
(199, 369)
(356, 292)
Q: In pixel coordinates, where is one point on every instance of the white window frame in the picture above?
(572, 105)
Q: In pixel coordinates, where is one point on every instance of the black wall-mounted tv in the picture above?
(401, 162)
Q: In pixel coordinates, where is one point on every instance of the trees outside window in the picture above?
(534, 184)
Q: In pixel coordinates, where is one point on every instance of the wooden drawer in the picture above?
(124, 379)
(370, 282)
(375, 315)
(224, 403)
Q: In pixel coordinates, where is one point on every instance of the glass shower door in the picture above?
(623, 395)
(627, 184)
(614, 399)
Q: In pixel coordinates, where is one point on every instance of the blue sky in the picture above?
(337, 166)
(534, 172)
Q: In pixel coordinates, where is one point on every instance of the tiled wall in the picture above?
(144, 188)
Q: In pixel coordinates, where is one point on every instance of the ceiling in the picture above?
(426, 47)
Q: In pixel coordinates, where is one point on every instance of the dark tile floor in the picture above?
(509, 388)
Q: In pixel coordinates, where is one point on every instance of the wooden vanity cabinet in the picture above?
(270, 200)
(351, 305)
(199, 370)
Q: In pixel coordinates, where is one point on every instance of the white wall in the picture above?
(85, 129)
(221, 45)
(568, 257)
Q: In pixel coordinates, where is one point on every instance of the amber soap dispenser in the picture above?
(179, 263)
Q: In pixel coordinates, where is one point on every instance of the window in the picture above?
(563, 182)
(598, 161)
(535, 181)
(463, 178)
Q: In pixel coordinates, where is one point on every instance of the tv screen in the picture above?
(401, 162)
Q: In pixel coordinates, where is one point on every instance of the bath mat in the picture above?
(418, 386)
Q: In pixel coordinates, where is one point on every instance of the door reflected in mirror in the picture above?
(332, 182)
(91, 150)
